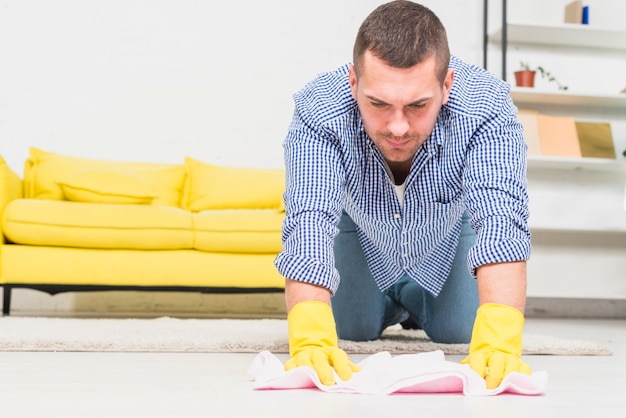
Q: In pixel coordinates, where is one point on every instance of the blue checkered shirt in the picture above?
(474, 161)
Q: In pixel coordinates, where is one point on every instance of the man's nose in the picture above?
(398, 125)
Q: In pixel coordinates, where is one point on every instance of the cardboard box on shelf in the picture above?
(574, 12)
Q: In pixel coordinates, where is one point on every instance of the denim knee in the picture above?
(359, 331)
(450, 332)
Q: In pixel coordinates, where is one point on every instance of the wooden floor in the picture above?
(216, 385)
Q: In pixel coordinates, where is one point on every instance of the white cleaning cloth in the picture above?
(382, 374)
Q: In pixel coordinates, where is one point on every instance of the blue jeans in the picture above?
(362, 311)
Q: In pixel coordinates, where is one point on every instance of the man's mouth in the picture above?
(397, 142)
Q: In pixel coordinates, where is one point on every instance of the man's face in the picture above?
(399, 106)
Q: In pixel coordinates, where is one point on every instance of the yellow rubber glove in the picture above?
(313, 342)
(496, 345)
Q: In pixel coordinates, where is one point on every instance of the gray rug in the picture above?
(226, 335)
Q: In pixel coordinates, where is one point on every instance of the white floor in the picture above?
(216, 385)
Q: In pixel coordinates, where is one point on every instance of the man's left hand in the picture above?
(496, 345)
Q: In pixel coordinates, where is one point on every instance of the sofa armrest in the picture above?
(10, 189)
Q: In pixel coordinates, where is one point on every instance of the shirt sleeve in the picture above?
(496, 185)
(313, 203)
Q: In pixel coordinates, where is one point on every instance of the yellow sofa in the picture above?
(73, 224)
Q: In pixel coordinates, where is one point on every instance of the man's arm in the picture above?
(296, 292)
(503, 283)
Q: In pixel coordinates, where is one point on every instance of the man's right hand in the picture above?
(313, 342)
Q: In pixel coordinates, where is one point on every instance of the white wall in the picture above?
(156, 80)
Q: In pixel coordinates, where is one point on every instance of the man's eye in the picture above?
(417, 105)
(379, 105)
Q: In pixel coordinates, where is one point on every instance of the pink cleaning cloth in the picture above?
(382, 374)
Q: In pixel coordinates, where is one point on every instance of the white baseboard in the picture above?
(575, 308)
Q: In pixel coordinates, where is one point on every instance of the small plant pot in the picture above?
(525, 78)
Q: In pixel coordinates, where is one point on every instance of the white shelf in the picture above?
(569, 34)
(568, 163)
(577, 205)
(530, 95)
(576, 229)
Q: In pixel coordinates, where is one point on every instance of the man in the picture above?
(406, 201)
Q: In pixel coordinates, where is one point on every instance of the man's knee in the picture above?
(457, 331)
(358, 330)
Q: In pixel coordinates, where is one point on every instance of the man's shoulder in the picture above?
(475, 90)
(327, 96)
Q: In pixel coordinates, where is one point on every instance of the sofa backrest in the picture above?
(58, 177)
(209, 187)
(195, 185)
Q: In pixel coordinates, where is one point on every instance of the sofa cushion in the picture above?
(238, 230)
(101, 185)
(214, 187)
(86, 266)
(88, 225)
(44, 170)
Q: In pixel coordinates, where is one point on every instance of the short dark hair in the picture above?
(402, 34)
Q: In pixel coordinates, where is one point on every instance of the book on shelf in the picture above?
(528, 119)
(558, 136)
(563, 136)
(596, 140)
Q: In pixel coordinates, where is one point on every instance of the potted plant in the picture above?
(525, 76)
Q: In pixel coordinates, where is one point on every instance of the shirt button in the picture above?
(396, 215)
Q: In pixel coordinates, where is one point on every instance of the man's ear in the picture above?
(447, 85)
(352, 80)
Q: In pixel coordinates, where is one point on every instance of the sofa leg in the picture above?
(6, 300)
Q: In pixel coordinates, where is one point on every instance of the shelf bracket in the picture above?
(504, 40)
